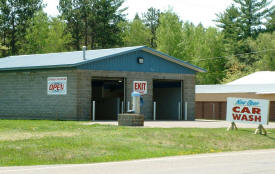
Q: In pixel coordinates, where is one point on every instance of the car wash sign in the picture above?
(245, 110)
(57, 85)
(140, 87)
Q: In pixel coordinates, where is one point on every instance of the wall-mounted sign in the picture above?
(245, 110)
(57, 85)
(140, 86)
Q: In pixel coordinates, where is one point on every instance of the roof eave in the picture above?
(38, 67)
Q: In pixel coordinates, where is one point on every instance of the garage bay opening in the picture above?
(108, 98)
(167, 97)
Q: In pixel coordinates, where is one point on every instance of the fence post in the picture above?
(179, 111)
(122, 107)
(155, 110)
(185, 110)
(93, 110)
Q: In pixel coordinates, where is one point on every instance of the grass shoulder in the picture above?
(34, 142)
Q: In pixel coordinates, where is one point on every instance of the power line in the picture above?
(211, 58)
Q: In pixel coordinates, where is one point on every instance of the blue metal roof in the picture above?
(75, 58)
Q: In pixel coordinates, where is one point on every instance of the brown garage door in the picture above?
(211, 110)
(217, 110)
(199, 110)
(272, 111)
(222, 110)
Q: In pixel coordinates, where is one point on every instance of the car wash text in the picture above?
(247, 110)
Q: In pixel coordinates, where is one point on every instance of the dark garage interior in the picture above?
(108, 96)
(167, 95)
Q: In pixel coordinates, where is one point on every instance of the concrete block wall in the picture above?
(23, 95)
(147, 108)
(84, 88)
(189, 96)
(84, 95)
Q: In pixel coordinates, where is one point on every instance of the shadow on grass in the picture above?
(245, 130)
(251, 131)
(269, 137)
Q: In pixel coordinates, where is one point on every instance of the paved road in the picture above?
(245, 162)
(189, 124)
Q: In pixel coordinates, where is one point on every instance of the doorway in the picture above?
(167, 97)
(108, 98)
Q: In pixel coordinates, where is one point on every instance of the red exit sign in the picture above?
(140, 86)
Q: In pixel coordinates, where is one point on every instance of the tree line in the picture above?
(242, 42)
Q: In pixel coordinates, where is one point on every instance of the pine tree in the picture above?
(93, 22)
(3, 49)
(241, 21)
(229, 22)
(107, 15)
(151, 18)
(270, 24)
(252, 15)
(71, 11)
(14, 15)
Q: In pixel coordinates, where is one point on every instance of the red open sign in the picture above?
(140, 86)
(57, 85)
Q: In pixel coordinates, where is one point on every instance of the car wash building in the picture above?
(211, 100)
(96, 84)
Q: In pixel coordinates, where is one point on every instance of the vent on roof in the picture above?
(84, 52)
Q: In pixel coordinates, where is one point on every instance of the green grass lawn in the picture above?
(62, 142)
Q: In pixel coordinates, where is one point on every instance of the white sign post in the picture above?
(140, 87)
(57, 86)
(252, 111)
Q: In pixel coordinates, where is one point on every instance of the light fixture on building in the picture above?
(140, 60)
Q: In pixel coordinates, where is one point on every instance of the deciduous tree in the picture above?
(136, 33)
(169, 34)
(45, 35)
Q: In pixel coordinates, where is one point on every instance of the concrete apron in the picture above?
(187, 124)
